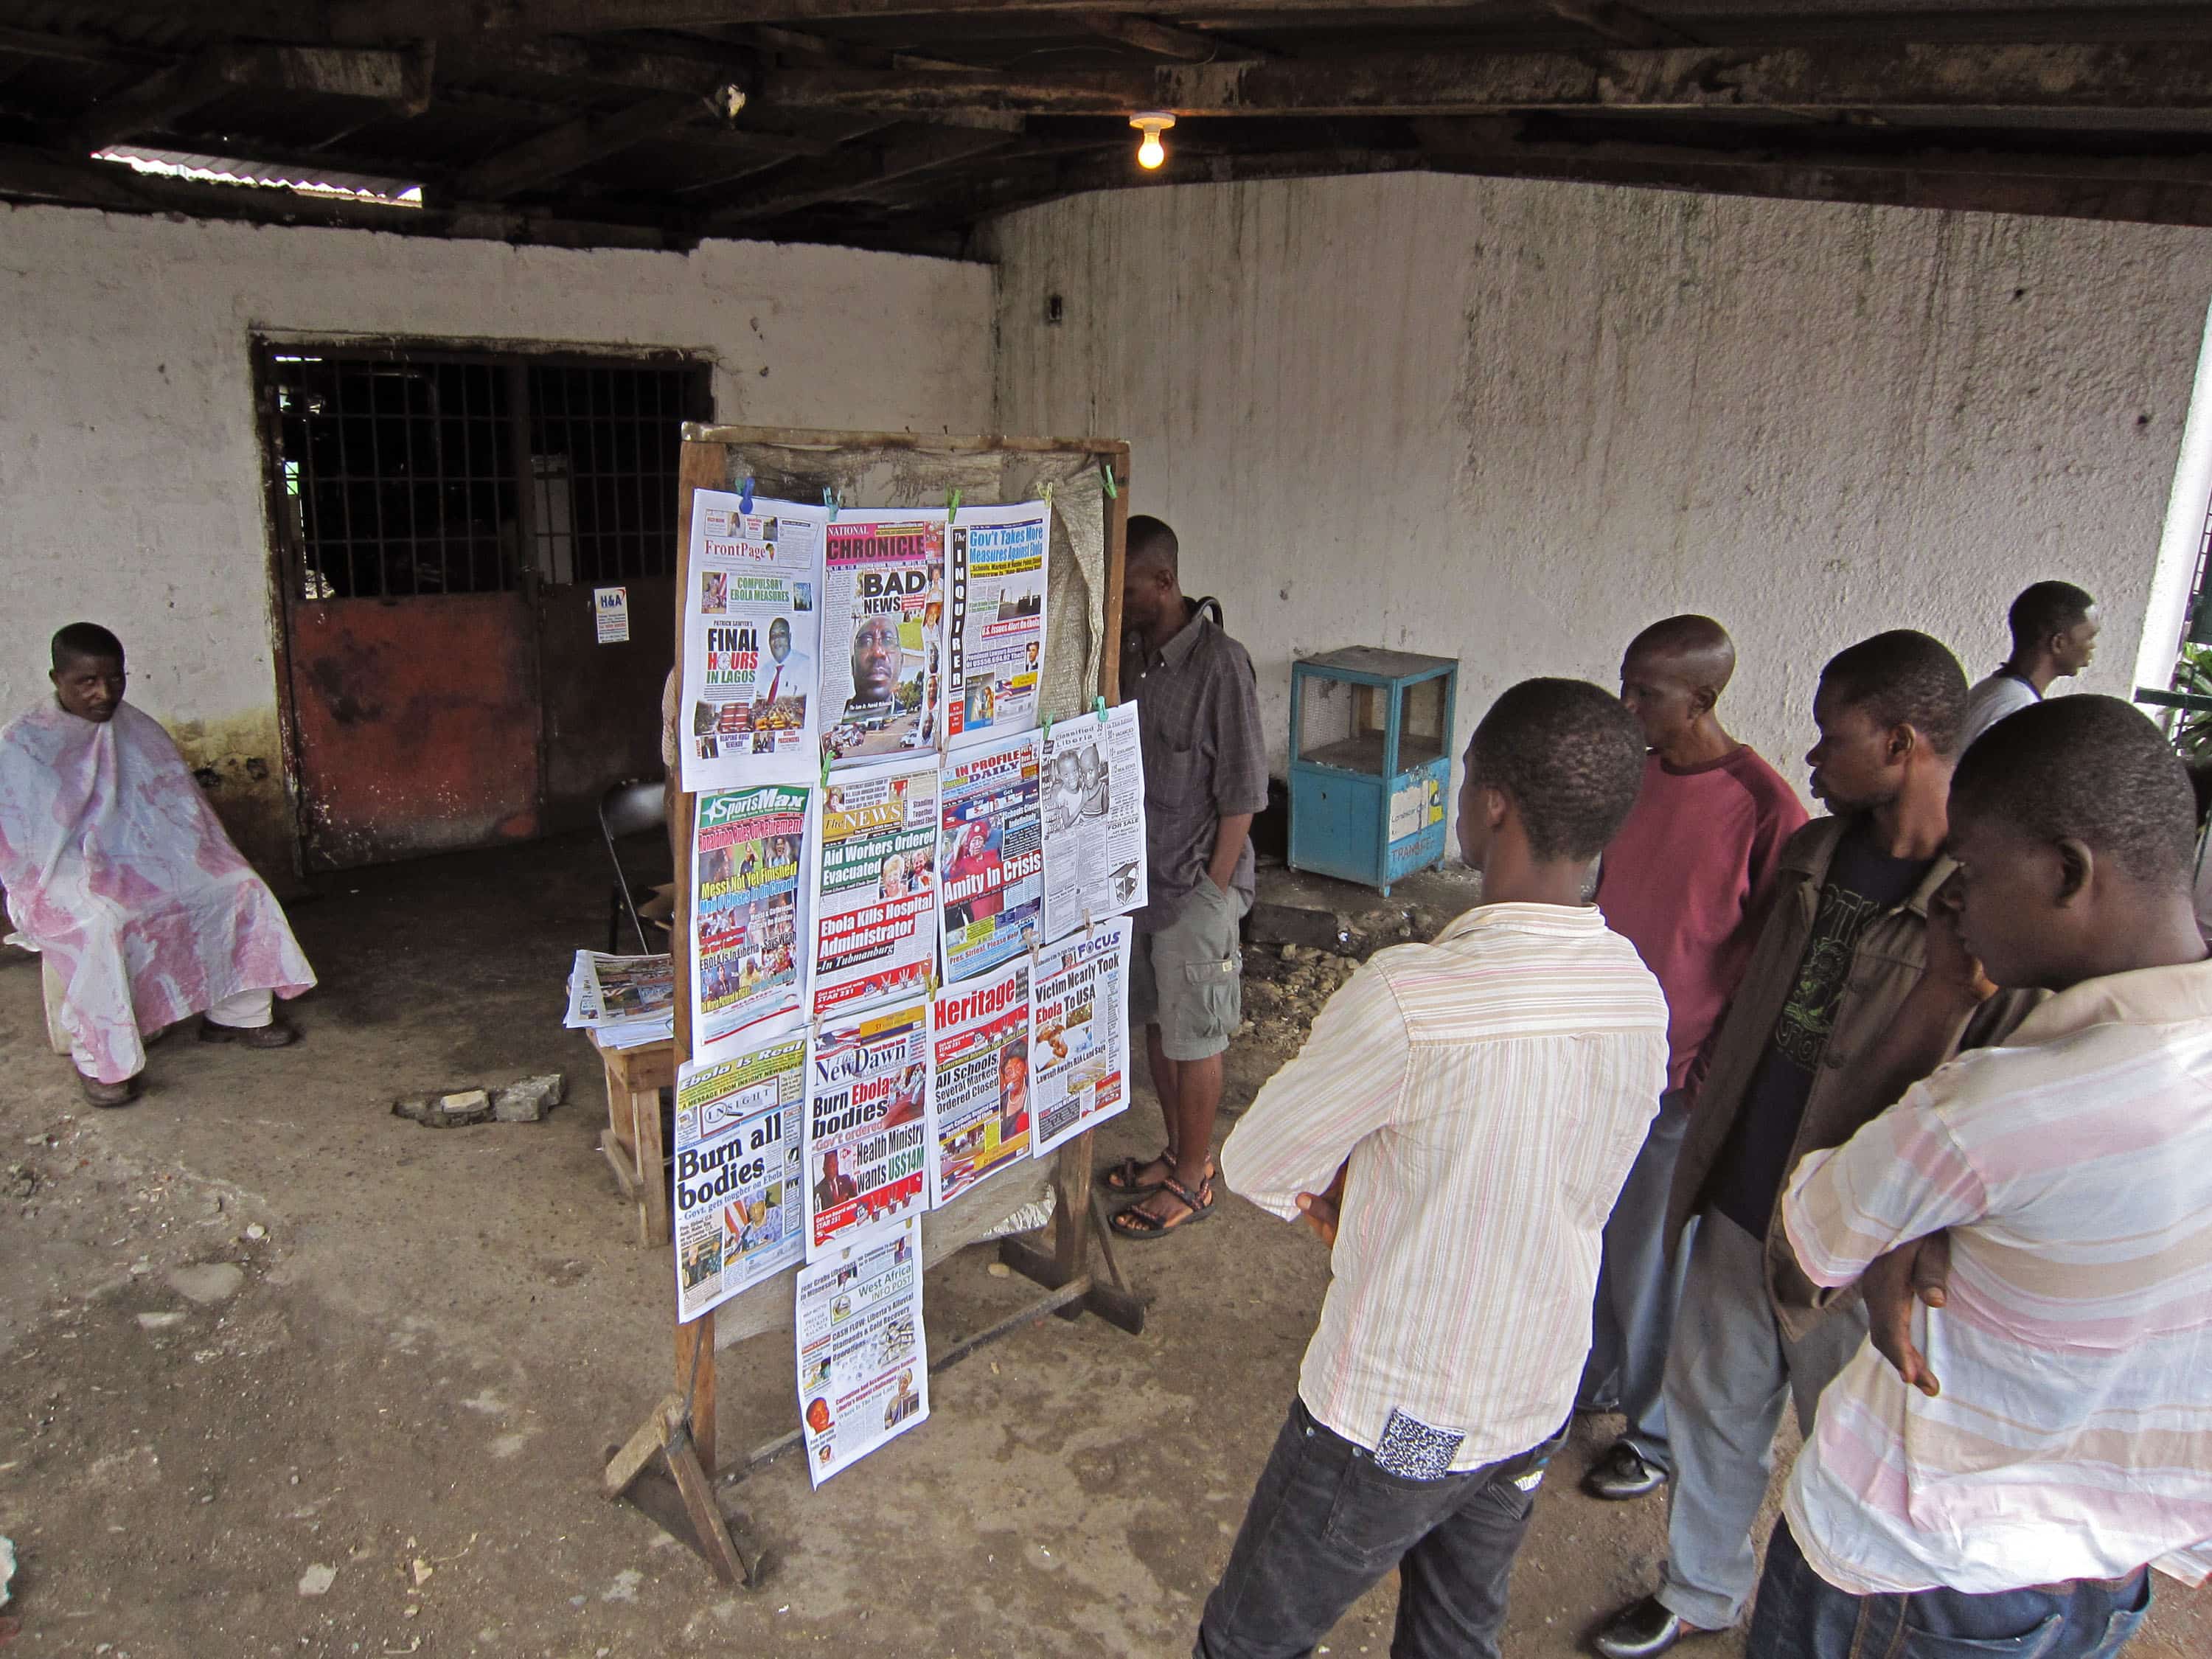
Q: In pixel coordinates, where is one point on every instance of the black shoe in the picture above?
(1622, 1473)
(1642, 1629)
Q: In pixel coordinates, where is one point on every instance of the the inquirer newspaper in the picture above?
(994, 633)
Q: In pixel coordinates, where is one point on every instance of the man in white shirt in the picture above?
(2054, 633)
(2012, 1506)
(1468, 1107)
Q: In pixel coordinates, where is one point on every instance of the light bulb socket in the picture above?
(1151, 124)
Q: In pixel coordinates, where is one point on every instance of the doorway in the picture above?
(446, 519)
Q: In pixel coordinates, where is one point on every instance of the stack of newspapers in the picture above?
(629, 1002)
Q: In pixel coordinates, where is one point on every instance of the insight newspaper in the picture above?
(737, 1202)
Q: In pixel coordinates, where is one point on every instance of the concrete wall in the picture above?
(1513, 422)
(131, 470)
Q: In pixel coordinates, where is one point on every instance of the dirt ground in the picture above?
(407, 1386)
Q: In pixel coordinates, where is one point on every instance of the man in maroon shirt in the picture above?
(1683, 881)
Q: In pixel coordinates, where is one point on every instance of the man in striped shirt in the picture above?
(2013, 1507)
(1468, 1107)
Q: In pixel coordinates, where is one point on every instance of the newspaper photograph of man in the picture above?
(972, 874)
(885, 712)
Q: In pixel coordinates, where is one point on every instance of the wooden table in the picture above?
(632, 1141)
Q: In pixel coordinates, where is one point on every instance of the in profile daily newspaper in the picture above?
(991, 857)
(883, 626)
(1093, 784)
(751, 620)
(1080, 1050)
(863, 1357)
(875, 901)
(738, 1209)
(994, 634)
(867, 1122)
(980, 1068)
(748, 903)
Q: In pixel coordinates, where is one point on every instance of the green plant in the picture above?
(2192, 675)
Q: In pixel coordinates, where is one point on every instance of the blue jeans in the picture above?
(1326, 1523)
(1803, 1616)
(1638, 1289)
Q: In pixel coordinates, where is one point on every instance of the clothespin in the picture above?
(1045, 496)
(1087, 925)
(745, 501)
(829, 500)
(1098, 705)
(825, 767)
(1112, 488)
(1048, 726)
(951, 507)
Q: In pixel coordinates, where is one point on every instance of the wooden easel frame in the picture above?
(681, 1428)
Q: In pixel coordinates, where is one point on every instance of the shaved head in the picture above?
(1150, 541)
(1696, 648)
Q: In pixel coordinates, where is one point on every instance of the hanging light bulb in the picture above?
(1151, 152)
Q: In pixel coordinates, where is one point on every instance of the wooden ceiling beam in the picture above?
(572, 145)
(1623, 25)
(397, 80)
(844, 178)
(1164, 39)
(2115, 80)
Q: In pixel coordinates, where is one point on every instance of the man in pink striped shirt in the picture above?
(1468, 1107)
(2013, 1506)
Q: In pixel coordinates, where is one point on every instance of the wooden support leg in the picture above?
(1076, 1216)
(667, 1435)
(695, 1374)
(651, 1164)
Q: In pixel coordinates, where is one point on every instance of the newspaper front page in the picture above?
(979, 1065)
(1081, 1050)
(991, 857)
(737, 1208)
(867, 1122)
(752, 627)
(994, 633)
(748, 953)
(875, 906)
(883, 628)
(1093, 784)
(863, 1356)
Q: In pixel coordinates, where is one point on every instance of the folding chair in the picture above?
(630, 809)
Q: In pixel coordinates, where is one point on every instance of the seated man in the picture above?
(119, 875)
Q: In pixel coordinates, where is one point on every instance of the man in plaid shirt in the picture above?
(1206, 776)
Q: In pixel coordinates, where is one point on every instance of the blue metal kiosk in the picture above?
(1370, 762)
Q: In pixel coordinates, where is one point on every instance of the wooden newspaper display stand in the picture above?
(1085, 480)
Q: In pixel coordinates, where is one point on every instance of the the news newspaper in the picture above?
(994, 633)
(991, 856)
(1093, 800)
(751, 649)
(867, 1122)
(738, 1202)
(748, 955)
(863, 1356)
(1081, 1043)
(875, 901)
(882, 630)
(979, 1064)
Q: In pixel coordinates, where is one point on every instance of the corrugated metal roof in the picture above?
(235, 170)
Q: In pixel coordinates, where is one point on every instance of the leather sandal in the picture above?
(1135, 1223)
(1125, 1177)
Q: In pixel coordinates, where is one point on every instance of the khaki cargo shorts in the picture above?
(1185, 979)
